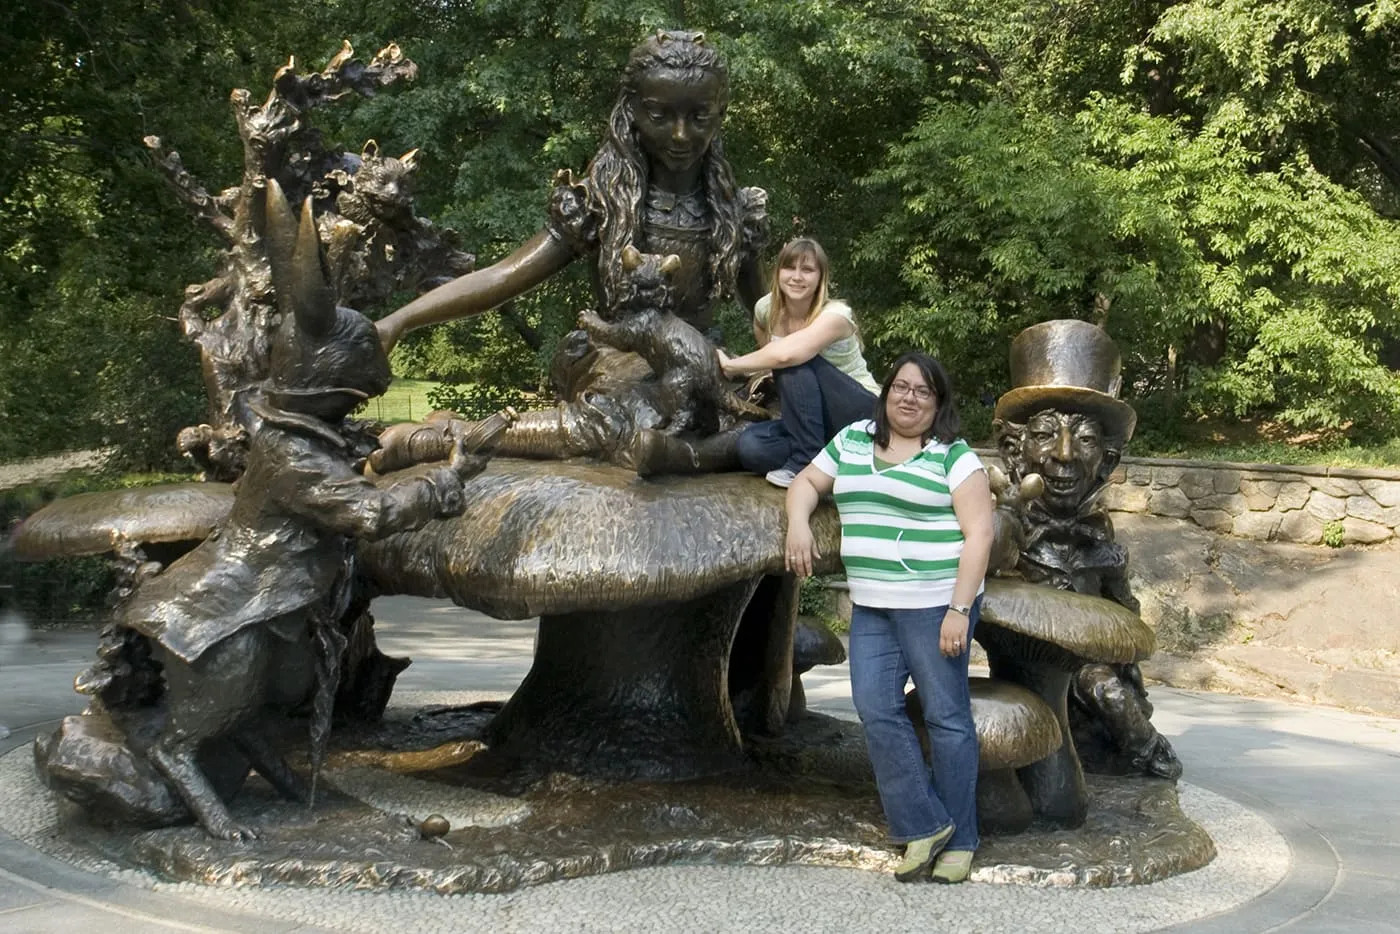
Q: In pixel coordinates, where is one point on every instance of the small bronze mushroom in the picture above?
(1037, 637)
(1015, 728)
(434, 826)
(98, 523)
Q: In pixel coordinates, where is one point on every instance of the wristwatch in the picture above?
(962, 608)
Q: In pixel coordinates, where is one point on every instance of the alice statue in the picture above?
(661, 184)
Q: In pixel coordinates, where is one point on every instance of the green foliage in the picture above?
(1219, 180)
(1327, 450)
(475, 401)
(817, 601)
(94, 253)
(976, 421)
(1014, 216)
(1333, 534)
(66, 589)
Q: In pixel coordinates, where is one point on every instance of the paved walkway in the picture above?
(1328, 781)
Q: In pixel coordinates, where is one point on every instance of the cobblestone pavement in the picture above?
(1304, 804)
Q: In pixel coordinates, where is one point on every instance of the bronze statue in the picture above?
(375, 245)
(661, 184)
(249, 619)
(691, 390)
(668, 642)
(1063, 420)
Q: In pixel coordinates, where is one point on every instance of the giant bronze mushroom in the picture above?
(177, 516)
(643, 589)
(666, 621)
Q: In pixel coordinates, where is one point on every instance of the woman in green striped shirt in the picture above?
(916, 532)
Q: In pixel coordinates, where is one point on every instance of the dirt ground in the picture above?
(1268, 619)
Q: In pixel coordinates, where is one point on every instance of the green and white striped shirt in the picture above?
(900, 539)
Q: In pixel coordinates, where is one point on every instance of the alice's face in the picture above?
(1067, 449)
(911, 403)
(800, 278)
(677, 115)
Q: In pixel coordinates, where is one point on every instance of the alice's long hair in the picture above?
(946, 422)
(619, 174)
(788, 256)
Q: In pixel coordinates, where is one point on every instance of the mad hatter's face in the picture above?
(1067, 449)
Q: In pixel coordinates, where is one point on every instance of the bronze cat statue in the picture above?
(692, 391)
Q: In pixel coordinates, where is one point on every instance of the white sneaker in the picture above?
(782, 477)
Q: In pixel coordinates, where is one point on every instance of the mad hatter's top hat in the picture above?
(1068, 365)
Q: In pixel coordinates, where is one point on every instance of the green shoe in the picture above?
(952, 866)
(920, 854)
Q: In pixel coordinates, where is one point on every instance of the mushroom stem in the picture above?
(637, 693)
(1002, 803)
(761, 680)
(1055, 784)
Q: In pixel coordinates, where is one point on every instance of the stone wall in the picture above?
(1265, 502)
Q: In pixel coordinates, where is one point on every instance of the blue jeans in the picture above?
(887, 647)
(816, 400)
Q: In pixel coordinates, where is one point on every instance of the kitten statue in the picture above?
(693, 391)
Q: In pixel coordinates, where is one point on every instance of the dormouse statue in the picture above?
(246, 623)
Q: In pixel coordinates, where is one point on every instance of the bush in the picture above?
(817, 601)
(1333, 534)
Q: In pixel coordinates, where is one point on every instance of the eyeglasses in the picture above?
(900, 388)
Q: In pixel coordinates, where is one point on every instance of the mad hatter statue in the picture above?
(1063, 419)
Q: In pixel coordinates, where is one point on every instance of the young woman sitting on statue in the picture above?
(809, 341)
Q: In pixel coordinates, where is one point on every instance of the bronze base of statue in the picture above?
(805, 798)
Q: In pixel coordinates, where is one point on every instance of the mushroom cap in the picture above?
(96, 523)
(1060, 627)
(549, 537)
(536, 536)
(1014, 726)
(814, 644)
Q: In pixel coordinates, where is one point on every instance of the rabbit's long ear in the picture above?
(294, 252)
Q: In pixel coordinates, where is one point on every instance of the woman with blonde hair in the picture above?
(809, 341)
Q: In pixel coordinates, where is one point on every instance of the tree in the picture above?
(1238, 274)
(93, 249)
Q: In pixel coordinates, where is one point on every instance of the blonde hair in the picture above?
(788, 256)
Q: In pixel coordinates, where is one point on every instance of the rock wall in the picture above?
(1262, 501)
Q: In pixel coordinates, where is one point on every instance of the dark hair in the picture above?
(946, 423)
(618, 171)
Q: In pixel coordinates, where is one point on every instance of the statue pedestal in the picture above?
(806, 798)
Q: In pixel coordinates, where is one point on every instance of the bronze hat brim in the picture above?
(1021, 403)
